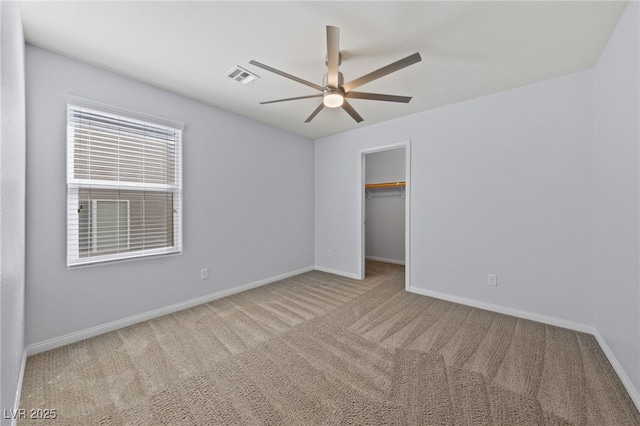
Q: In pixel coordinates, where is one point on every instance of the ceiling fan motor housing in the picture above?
(326, 84)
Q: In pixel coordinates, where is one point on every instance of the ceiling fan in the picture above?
(335, 90)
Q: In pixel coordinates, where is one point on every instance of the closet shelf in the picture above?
(385, 185)
(402, 185)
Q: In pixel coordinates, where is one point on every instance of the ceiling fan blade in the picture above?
(386, 70)
(333, 55)
(291, 99)
(352, 112)
(314, 113)
(284, 74)
(377, 97)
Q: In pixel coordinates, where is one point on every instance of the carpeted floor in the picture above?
(318, 349)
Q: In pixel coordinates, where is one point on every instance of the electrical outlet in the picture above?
(329, 253)
(204, 273)
(492, 279)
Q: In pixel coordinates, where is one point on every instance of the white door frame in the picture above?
(407, 223)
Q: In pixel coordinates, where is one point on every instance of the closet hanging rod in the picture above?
(385, 184)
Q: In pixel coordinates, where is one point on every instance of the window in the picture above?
(104, 226)
(124, 186)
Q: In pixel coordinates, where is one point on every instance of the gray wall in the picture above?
(616, 224)
(385, 211)
(248, 204)
(12, 203)
(500, 184)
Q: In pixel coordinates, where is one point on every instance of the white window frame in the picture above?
(74, 185)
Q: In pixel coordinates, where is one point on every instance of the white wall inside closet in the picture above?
(385, 207)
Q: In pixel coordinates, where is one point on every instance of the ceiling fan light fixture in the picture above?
(333, 99)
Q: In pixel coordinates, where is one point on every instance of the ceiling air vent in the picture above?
(240, 74)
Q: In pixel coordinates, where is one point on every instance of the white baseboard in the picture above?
(383, 259)
(546, 319)
(57, 342)
(626, 381)
(337, 272)
(16, 404)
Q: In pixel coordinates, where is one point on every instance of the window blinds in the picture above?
(124, 187)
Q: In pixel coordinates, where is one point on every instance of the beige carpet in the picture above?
(318, 349)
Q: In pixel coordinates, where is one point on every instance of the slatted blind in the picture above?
(124, 187)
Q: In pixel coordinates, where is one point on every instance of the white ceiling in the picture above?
(468, 49)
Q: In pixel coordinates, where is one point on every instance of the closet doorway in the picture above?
(385, 205)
